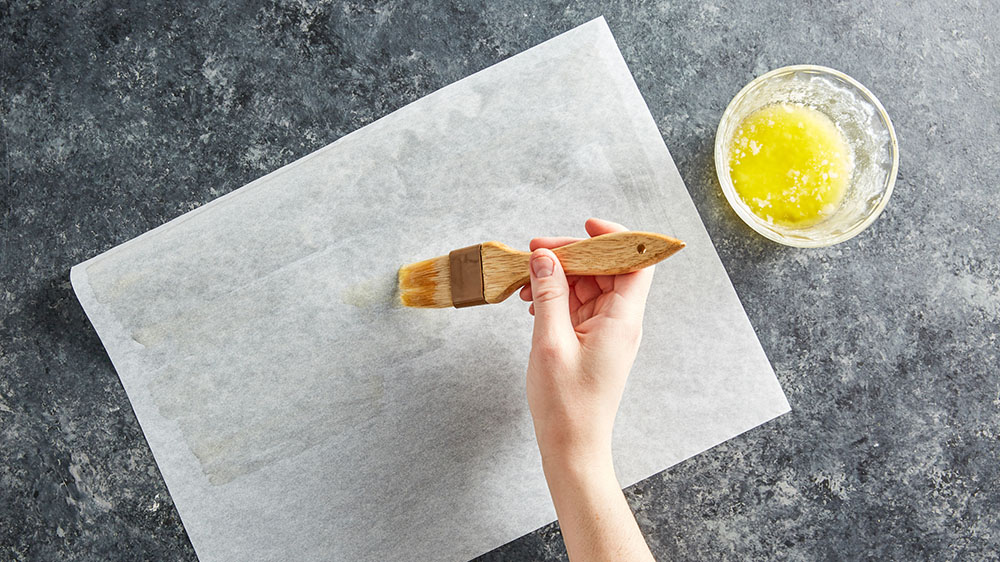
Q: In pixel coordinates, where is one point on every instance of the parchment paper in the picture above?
(297, 414)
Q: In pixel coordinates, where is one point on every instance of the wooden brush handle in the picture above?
(506, 269)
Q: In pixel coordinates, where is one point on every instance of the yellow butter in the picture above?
(790, 164)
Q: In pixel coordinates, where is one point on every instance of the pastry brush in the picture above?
(490, 272)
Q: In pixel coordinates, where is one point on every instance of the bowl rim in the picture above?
(747, 216)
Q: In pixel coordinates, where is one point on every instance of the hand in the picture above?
(586, 334)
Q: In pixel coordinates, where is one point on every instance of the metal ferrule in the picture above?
(466, 276)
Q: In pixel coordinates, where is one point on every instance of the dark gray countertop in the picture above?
(117, 119)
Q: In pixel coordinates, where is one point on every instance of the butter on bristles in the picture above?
(426, 284)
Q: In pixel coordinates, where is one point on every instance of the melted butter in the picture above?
(790, 164)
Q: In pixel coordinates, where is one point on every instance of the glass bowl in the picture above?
(864, 124)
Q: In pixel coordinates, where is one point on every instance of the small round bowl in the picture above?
(864, 124)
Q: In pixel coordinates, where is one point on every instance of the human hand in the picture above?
(586, 334)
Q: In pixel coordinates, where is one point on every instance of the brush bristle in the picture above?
(426, 284)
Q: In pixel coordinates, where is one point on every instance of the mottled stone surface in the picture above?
(118, 116)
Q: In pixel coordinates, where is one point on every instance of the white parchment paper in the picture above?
(296, 413)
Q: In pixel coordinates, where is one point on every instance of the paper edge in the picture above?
(646, 120)
(79, 278)
(80, 282)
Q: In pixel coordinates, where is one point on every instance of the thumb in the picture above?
(550, 297)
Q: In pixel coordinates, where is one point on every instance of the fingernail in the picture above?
(542, 266)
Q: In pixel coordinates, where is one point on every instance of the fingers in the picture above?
(550, 301)
(594, 226)
(635, 286)
(587, 310)
(587, 289)
(597, 227)
(525, 292)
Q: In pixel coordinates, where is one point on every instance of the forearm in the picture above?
(596, 521)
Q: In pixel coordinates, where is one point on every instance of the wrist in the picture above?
(593, 463)
(568, 448)
(586, 482)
